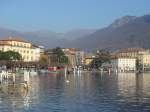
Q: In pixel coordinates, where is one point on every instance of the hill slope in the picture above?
(47, 38)
(128, 31)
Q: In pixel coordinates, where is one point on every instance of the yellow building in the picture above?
(145, 60)
(89, 58)
(88, 61)
(28, 51)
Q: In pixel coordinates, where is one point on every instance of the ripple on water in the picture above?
(84, 93)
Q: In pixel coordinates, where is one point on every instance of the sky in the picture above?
(65, 15)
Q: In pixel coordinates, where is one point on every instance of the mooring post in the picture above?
(13, 74)
(26, 76)
(65, 72)
(1, 78)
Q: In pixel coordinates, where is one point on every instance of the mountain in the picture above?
(77, 33)
(128, 31)
(44, 38)
(122, 21)
(4, 32)
(47, 38)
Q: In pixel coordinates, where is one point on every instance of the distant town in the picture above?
(124, 60)
(74, 55)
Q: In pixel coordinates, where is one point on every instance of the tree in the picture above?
(138, 65)
(101, 56)
(58, 57)
(10, 56)
(43, 61)
(64, 60)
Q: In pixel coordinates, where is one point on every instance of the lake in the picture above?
(87, 92)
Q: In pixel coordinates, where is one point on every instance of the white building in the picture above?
(123, 64)
(79, 58)
(28, 51)
(38, 52)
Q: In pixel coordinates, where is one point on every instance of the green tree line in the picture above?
(10, 56)
(58, 57)
(101, 56)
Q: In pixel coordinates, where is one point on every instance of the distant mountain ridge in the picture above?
(125, 32)
(122, 21)
(128, 31)
(47, 38)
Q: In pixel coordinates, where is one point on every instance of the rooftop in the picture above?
(15, 39)
(127, 50)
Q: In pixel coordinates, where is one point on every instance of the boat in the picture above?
(56, 70)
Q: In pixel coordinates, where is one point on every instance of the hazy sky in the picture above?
(64, 15)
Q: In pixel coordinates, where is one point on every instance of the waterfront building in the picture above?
(79, 58)
(130, 52)
(123, 64)
(71, 54)
(52, 57)
(75, 56)
(28, 51)
(39, 51)
(140, 54)
(144, 60)
(88, 58)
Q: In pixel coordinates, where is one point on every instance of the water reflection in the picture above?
(87, 92)
(15, 97)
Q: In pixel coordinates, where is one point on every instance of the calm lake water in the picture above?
(88, 92)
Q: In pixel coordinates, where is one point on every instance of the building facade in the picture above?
(71, 54)
(123, 64)
(28, 51)
(130, 52)
(79, 58)
(89, 57)
(75, 56)
(140, 54)
(144, 61)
